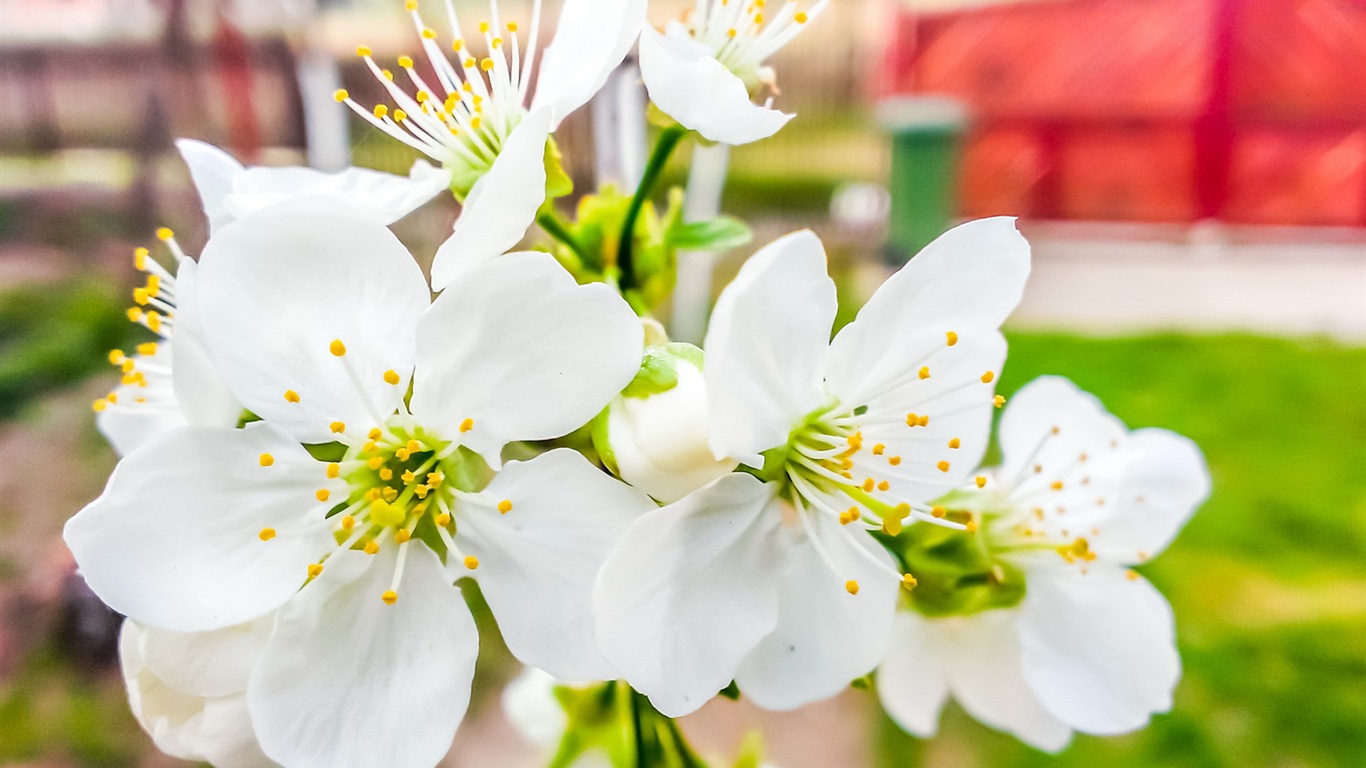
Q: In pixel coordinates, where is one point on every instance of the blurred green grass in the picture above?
(1268, 581)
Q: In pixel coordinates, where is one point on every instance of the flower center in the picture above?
(742, 36)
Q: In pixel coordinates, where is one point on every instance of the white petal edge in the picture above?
(212, 170)
(592, 39)
(912, 681)
(381, 197)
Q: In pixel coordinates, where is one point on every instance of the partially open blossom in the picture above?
(170, 382)
(188, 690)
(229, 191)
(480, 120)
(705, 71)
(356, 544)
(1062, 636)
(769, 577)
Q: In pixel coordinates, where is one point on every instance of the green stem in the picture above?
(669, 140)
(552, 225)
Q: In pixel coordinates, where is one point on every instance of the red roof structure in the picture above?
(1246, 111)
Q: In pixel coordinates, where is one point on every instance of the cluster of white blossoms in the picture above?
(318, 457)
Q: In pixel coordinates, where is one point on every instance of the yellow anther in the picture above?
(758, 19)
(878, 449)
(475, 122)
(884, 485)
(147, 349)
(951, 338)
(924, 372)
(458, 45)
(470, 63)
(483, 27)
(391, 377)
(420, 509)
(113, 397)
(988, 377)
(971, 526)
(390, 597)
(413, 446)
(381, 110)
(732, 32)
(894, 460)
(998, 401)
(333, 471)
(497, 41)
(266, 459)
(153, 285)
(955, 443)
(386, 474)
(402, 536)
(372, 494)
(908, 581)
(266, 534)
(851, 587)
(505, 506)
(434, 479)
(943, 466)
(116, 357)
(443, 519)
(389, 494)
(140, 296)
(421, 491)
(364, 50)
(912, 419)
(337, 348)
(314, 570)
(512, 26)
(375, 462)
(471, 562)
(1056, 485)
(486, 64)
(467, 425)
(422, 97)
(337, 427)
(410, 5)
(869, 484)
(323, 494)
(938, 512)
(408, 477)
(403, 454)
(384, 514)
(428, 33)
(801, 18)
(1131, 575)
(291, 396)
(134, 315)
(388, 75)
(405, 61)
(924, 421)
(375, 433)
(127, 365)
(348, 523)
(164, 234)
(340, 95)
(140, 258)
(100, 405)
(371, 548)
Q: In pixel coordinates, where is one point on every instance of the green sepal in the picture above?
(751, 751)
(602, 441)
(955, 572)
(659, 369)
(731, 691)
(246, 417)
(557, 180)
(717, 234)
(326, 451)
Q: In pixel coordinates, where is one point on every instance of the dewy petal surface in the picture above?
(501, 205)
(690, 591)
(174, 541)
(766, 346)
(537, 562)
(276, 288)
(1098, 648)
(825, 636)
(524, 352)
(967, 281)
(688, 84)
(350, 681)
(592, 39)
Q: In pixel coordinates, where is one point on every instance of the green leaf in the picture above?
(717, 234)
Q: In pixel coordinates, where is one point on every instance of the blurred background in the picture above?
(1191, 174)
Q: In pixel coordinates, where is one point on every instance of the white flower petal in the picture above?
(592, 39)
(766, 345)
(350, 681)
(1027, 427)
(688, 84)
(207, 664)
(128, 429)
(212, 171)
(174, 540)
(690, 591)
(522, 350)
(967, 281)
(383, 198)
(278, 287)
(501, 205)
(825, 636)
(911, 682)
(1098, 648)
(530, 704)
(537, 562)
(1165, 480)
(203, 395)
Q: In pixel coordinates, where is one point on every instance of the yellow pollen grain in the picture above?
(998, 401)
(981, 481)
(924, 372)
(938, 512)
(140, 258)
(486, 64)
(732, 32)
(140, 296)
(148, 349)
(429, 33)
(512, 26)
(408, 476)
(470, 62)
(291, 396)
(337, 427)
(483, 27)
(505, 506)
(405, 61)
(375, 462)
(340, 95)
(988, 377)
(390, 494)
(471, 562)
(878, 449)
(402, 536)
(422, 97)
(443, 519)
(403, 454)
(924, 421)
(908, 581)
(391, 377)
(421, 491)
(337, 347)
(1057, 485)
(164, 234)
(800, 17)
(348, 523)
(372, 494)
(912, 419)
(955, 443)
(951, 338)
(381, 110)
(314, 570)
(116, 357)
(868, 485)
(389, 597)
(410, 5)
(323, 494)
(894, 460)
(372, 548)
(467, 425)
(363, 50)
(413, 446)
(266, 459)
(266, 534)
(333, 471)
(943, 466)
(851, 586)
(386, 474)
(971, 526)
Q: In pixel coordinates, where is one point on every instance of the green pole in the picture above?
(926, 134)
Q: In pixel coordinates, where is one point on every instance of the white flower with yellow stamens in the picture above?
(203, 528)
(704, 72)
(480, 120)
(769, 577)
(228, 190)
(170, 382)
(1078, 641)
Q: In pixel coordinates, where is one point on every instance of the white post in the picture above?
(619, 128)
(692, 295)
